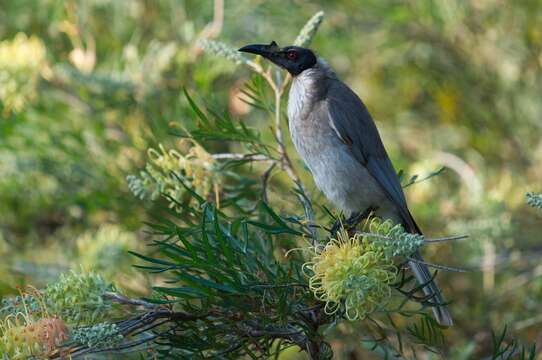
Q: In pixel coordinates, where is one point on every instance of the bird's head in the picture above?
(295, 59)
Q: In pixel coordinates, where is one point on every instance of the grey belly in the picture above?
(344, 181)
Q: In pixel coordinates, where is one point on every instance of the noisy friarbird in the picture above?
(337, 139)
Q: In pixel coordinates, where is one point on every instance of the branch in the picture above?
(121, 299)
(157, 322)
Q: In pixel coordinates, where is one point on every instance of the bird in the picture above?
(336, 137)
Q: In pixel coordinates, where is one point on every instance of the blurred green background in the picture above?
(87, 87)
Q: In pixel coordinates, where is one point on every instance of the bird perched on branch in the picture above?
(336, 137)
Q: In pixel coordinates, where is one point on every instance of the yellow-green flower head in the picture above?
(353, 274)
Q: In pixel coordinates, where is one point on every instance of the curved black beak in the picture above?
(267, 51)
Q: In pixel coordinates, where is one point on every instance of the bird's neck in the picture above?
(307, 88)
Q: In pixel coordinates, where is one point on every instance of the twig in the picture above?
(133, 326)
(214, 28)
(233, 156)
(285, 83)
(278, 90)
(426, 241)
(448, 238)
(520, 325)
(436, 266)
(265, 180)
(128, 301)
(520, 280)
(309, 214)
(274, 286)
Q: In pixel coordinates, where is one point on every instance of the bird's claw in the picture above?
(352, 222)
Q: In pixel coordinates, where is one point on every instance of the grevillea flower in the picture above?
(353, 274)
(195, 165)
(22, 338)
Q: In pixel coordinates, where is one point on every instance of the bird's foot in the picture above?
(352, 222)
(335, 228)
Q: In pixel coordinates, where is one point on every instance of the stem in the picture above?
(278, 90)
(234, 156)
(121, 299)
(436, 266)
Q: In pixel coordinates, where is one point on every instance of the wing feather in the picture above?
(354, 125)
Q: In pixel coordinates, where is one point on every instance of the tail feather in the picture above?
(423, 276)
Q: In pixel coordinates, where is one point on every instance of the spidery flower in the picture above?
(351, 274)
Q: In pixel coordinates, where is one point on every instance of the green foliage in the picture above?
(505, 350)
(427, 332)
(93, 85)
(228, 265)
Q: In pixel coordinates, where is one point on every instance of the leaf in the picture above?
(186, 243)
(222, 240)
(191, 191)
(181, 292)
(414, 179)
(205, 237)
(153, 260)
(204, 284)
(196, 109)
(284, 227)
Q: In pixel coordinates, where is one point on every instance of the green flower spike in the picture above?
(535, 200)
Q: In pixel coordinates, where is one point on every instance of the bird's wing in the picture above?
(352, 122)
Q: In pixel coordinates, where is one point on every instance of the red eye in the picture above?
(292, 55)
